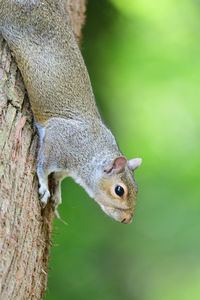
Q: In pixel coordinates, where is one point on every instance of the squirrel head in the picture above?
(116, 192)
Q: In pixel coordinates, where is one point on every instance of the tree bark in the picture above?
(25, 230)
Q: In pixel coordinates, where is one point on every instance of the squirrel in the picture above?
(73, 139)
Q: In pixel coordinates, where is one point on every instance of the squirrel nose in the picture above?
(127, 220)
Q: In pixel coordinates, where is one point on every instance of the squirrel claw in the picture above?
(57, 214)
(58, 217)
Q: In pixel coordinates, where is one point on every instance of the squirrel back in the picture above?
(49, 59)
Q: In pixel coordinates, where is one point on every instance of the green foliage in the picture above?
(144, 61)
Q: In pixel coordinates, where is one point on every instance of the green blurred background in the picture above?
(143, 57)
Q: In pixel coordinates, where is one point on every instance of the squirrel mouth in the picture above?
(120, 215)
(127, 220)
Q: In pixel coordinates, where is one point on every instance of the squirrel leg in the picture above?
(56, 194)
(47, 165)
(42, 172)
(43, 182)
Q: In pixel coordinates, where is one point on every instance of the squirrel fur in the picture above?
(74, 141)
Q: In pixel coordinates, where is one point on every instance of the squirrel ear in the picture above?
(115, 165)
(134, 163)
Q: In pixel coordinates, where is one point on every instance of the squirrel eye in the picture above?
(119, 190)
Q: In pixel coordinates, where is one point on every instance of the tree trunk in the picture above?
(25, 230)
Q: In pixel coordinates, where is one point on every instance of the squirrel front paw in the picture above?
(44, 194)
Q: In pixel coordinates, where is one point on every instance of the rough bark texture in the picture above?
(25, 230)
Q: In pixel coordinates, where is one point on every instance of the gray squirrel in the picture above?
(74, 141)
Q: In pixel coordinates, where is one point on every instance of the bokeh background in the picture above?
(143, 57)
